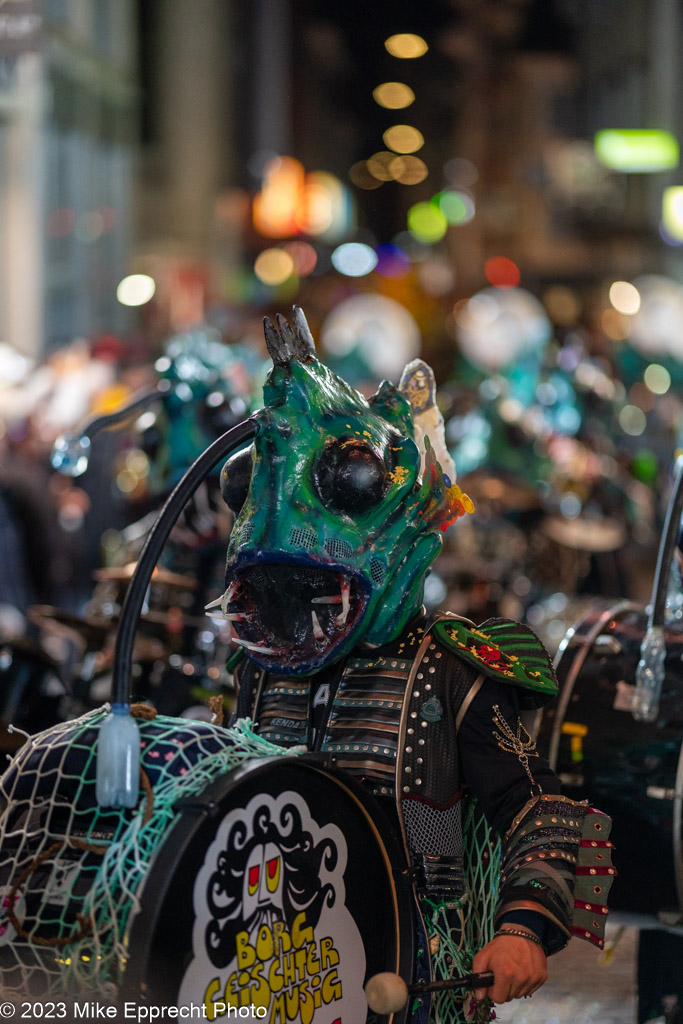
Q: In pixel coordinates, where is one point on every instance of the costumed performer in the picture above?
(340, 504)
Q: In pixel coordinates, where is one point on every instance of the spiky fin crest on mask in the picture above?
(289, 343)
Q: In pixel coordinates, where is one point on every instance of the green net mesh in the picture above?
(71, 873)
(458, 929)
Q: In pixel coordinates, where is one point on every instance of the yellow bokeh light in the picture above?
(378, 165)
(274, 207)
(406, 45)
(625, 297)
(408, 170)
(562, 304)
(273, 266)
(361, 176)
(672, 211)
(614, 325)
(315, 215)
(393, 95)
(403, 138)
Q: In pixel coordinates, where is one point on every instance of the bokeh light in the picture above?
(403, 138)
(499, 326)
(406, 45)
(657, 378)
(625, 297)
(632, 420)
(315, 214)
(377, 328)
(378, 165)
(460, 172)
(273, 266)
(502, 272)
(435, 275)
(672, 212)
(135, 290)
(639, 394)
(354, 259)
(393, 95)
(636, 150)
(615, 325)
(304, 257)
(457, 207)
(656, 330)
(426, 222)
(392, 261)
(408, 170)
(361, 177)
(562, 303)
(274, 207)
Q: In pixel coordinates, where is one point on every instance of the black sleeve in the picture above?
(556, 855)
(491, 770)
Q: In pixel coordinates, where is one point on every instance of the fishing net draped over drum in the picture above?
(72, 872)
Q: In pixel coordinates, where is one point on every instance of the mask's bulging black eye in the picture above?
(235, 479)
(350, 477)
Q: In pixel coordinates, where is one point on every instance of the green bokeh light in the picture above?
(426, 222)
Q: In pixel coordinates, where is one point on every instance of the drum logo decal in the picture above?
(272, 931)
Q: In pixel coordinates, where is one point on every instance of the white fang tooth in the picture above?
(229, 616)
(317, 629)
(227, 597)
(223, 601)
(333, 599)
(252, 647)
(340, 620)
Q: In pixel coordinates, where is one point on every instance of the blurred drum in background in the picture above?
(31, 688)
(628, 768)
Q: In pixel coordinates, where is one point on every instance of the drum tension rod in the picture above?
(208, 807)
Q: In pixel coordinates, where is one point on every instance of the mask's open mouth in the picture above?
(291, 617)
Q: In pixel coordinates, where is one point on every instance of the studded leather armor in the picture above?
(426, 728)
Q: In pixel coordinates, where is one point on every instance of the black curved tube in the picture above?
(669, 540)
(154, 545)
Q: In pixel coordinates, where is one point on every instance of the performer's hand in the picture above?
(518, 965)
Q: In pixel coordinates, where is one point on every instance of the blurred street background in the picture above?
(493, 185)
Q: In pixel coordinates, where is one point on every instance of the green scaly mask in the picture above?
(336, 522)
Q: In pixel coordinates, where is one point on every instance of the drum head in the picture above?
(281, 886)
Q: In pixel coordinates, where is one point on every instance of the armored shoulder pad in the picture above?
(502, 649)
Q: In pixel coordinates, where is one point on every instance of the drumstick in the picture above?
(388, 993)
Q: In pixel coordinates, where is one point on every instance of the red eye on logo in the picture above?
(253, 879)
(272, 873)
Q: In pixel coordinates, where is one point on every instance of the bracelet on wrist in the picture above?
(520, 933)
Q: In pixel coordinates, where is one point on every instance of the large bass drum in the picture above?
(277, 887)
(630, 769)
(245, 876)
